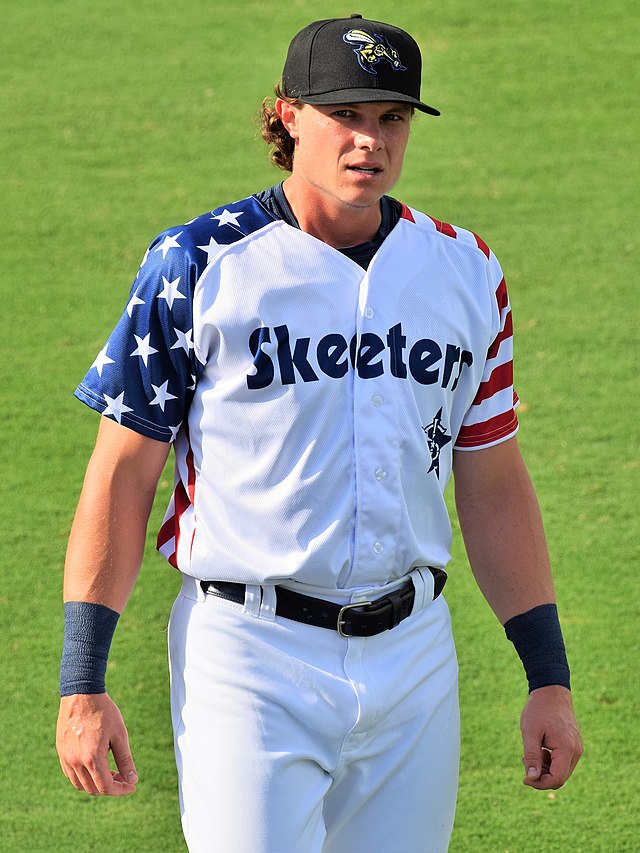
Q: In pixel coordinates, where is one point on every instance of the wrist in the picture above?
(88, 632)
(537, 637)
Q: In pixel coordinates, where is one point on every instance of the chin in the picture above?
(362, 204)
(363, 198)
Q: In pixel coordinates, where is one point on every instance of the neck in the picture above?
(335, 222)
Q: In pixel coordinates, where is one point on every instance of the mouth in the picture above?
(365, 170)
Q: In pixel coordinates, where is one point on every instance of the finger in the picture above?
(71, 776)
(86, 781)
(124, 786)
(577, 752)
(105, 779)
(123, 758)
(532, 760)
(556, 774)
(575, 758)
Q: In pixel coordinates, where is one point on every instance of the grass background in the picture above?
(120, 118)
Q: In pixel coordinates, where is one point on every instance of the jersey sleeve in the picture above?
(491, 418)
(145, 375)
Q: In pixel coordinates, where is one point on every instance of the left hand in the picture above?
(551, 738)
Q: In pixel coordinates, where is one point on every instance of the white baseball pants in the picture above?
(292, 739)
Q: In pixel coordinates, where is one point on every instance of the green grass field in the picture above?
(121, 118)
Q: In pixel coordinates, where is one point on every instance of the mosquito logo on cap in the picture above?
(371, 49)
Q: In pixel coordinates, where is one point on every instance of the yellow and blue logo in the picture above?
(371, 49)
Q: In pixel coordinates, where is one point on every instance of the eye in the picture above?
(394, 117)
(343, 113)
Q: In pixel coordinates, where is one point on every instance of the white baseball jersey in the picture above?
(314, 406)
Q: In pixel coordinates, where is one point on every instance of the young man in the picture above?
(322, 358)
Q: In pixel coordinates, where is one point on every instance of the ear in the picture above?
(288, 114)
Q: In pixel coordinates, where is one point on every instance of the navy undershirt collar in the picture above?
(275, 200)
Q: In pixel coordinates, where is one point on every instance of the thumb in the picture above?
(532, 759)
(533, 766)
(123, 758)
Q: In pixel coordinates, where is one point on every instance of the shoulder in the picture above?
(185, 251)
(465, 249)
(199, 237)
(445, 232)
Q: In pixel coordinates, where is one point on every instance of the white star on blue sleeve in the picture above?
(162, 395)
(132, 304)
(101, 359)
(159, 387)
(170, 291)
(144, 348)
(184, 340)
(116, 407)
(227, 217)
(212, 249)
(168, 243)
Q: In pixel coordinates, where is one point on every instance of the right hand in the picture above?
(89, 727)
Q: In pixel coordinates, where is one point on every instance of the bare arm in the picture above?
(107, 538)
(103, 560)
(502, 529)
(506, 545)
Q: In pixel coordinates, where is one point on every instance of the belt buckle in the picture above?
(341, 621)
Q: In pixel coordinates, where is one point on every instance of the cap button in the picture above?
(356, 16)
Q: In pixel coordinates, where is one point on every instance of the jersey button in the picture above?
(378, 547)
(369, 313)
(377, 399)
(380, 475)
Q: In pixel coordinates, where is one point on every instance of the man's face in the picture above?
(352, 153)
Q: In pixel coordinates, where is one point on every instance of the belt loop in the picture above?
(192, 589)
(422, 580)
(252, 599)
(268, 606)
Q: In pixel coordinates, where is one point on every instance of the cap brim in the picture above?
(356, 96)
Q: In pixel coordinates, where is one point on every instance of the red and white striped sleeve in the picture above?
(491, 418)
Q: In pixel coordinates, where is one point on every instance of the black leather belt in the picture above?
(361, 619)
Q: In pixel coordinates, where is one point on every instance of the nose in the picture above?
(369, 137)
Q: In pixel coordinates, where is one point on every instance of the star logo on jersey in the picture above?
(437, 438)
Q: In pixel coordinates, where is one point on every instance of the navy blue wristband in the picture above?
(537, 637)
(88, 631)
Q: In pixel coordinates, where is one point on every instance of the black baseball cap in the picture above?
(352, 60)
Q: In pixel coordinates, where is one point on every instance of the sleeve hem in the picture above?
(490, 440)
(94, 402)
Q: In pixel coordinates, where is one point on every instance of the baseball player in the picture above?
(322, 358)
